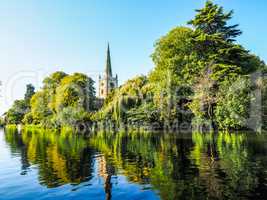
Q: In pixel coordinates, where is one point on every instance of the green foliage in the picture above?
(194, 69)
(71, 116)
(63, 100)
(51, 82)
(2, 122)
(16, 113)
(146, 114)
(74, 99)
(213, 20)
(28, 119)
(50, 85)
(175, 61)
(40, 111)
(222, 62)
(75, 90)
(203, 101)
(172, 55)
(128, 96)
(20, 108)
(232, 104)
(29, 93)
(263, 87)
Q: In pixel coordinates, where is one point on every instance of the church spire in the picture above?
(108, 82)
(108, 64)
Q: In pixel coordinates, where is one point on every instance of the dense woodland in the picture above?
(202, 77)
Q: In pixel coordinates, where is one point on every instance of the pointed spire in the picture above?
(108, 64)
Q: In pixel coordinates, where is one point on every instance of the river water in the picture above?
(45, 165)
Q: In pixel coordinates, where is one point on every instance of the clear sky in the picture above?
(40, 37)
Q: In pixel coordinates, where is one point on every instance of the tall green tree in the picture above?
(30, 91)
(74, 99)
(175, 65)
(221, 60)
(212, 20)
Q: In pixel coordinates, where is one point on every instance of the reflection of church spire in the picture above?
(105, 170)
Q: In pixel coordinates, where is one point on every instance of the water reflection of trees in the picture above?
(161, 160)
(214, 166)
(17, 147)
(230, 164)
(61, 158)
(190, 166)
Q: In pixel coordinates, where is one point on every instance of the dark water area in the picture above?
(45, 165)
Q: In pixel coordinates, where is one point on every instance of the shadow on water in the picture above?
(175, 166)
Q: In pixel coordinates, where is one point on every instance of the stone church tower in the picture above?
(107, 82)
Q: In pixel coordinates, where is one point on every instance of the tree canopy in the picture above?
(202, 76)
(63, 100)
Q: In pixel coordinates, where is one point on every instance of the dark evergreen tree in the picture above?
(30, 91)
(213, 20)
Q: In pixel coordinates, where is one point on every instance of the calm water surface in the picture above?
(43, 165)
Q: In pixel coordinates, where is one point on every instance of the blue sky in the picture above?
(40, 37)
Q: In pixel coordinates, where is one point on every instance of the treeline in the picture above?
(64, 100)
(202, 78)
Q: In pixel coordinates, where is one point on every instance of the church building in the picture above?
(107, 82)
